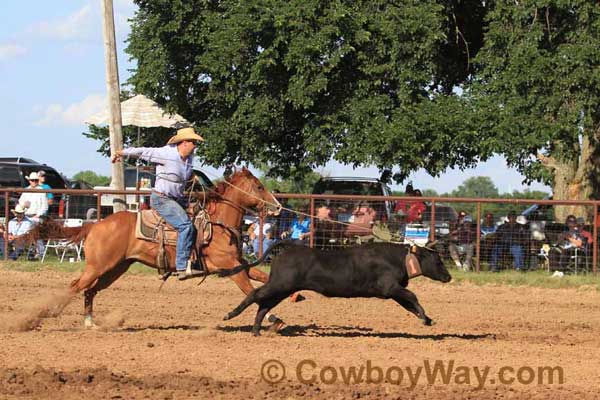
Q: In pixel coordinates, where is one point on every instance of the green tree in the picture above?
(293, 84)
(477, 186)
(536, 92)
(91, 178)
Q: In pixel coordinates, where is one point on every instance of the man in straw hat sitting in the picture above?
(17, 227)
(174, 168)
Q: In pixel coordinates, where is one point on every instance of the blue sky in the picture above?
(52, 78)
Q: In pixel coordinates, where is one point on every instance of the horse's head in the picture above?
(251, 193)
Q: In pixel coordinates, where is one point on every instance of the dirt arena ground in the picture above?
(173, 344)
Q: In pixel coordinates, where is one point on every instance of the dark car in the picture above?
(344, 220)
(14, 172)
(80, 205)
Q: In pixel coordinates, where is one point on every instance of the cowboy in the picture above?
(18, 226)
(35, 204)
(174, 169)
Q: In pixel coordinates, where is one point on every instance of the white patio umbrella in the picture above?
(142, 112)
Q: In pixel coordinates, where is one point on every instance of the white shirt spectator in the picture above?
(36, 204)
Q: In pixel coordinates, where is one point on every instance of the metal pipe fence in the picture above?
(484, 238)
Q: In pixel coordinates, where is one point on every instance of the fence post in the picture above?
(478, 243)
(6, 219)
(261, 224)
(595, 240)
(312, 223)
(99, 206)
(432, 229)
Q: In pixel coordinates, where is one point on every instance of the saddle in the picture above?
(150, 226)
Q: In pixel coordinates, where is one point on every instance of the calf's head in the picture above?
(431, 263)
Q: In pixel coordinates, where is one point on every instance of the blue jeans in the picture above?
(516, 251)
(175, 215)
(266, 244)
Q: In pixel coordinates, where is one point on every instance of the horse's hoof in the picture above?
(227, 317)
(428, 322)
(276, 327)
(256, 333)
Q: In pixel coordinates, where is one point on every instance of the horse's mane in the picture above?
(220, 187)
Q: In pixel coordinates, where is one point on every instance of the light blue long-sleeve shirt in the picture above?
(18, 228)
(171, 171)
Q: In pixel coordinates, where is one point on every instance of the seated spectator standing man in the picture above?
(416, 208)
(174, 169)
(511, 237)
(254, 234)
(45, 186)
(17, 227)
(488, 226)
(463, 234)
(300, 228)
(35, 204)
(571, 239)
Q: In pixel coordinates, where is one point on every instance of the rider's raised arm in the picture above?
(157, 155)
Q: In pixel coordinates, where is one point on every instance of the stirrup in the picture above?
(187, 274)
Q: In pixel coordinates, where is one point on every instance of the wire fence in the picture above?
(471, 234)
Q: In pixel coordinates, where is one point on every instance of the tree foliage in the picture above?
(537, 86)
(91, 178)
(293, 84)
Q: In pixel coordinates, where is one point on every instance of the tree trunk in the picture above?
(573, 181)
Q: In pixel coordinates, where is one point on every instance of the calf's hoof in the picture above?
(427, 321)
(227, 317)
(255, 333)
(88, 323)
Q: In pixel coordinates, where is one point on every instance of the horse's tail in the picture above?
(246, 266)
(80, 233)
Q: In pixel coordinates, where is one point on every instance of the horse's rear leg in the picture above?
(103, 282)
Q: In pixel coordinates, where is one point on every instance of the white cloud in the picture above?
(77, 25)
(9, 51)
(73, 114)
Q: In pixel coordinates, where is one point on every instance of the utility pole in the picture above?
(114, 101)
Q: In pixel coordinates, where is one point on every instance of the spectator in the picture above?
(511, 237)
(285, 217)
(462, 235)
(416, 209)
(17, 228)
(254, 233)
(45, 186)
(35, 204)
(299, 229)
(268, 240)
(402, 206)
(488, 226)
(569, 242)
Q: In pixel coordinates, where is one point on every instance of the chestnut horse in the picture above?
(111, 245)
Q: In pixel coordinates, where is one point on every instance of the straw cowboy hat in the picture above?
(33, 176)
(185, 134)
(19, 209)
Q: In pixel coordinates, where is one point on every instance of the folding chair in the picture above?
(65, 245)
